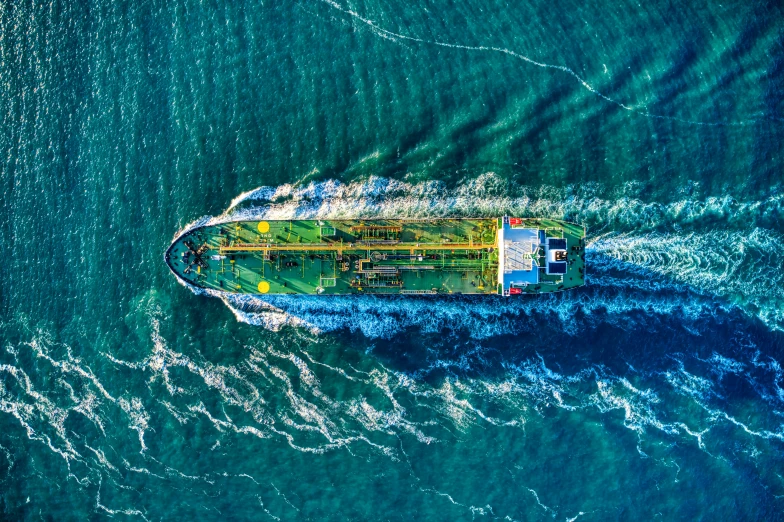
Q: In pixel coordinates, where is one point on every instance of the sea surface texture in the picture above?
(656, 392)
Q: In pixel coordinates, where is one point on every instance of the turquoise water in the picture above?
(654, 393)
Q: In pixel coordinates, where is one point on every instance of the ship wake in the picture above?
(690, 260)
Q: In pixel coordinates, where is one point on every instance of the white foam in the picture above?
(112, 512)
(744, 267)
(477, 317)
(488, 195)
(138, 416)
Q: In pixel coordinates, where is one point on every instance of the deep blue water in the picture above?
(656, 392)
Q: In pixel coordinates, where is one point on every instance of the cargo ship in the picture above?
(503, 256)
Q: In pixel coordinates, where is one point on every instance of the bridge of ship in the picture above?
(539, 255)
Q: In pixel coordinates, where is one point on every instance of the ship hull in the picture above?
(503, 256)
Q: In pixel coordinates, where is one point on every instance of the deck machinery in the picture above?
(505, 256)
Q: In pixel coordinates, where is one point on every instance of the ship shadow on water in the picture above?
(618, 349)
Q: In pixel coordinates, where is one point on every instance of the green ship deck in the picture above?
(506, 256)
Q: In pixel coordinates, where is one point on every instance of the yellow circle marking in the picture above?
(263, 227)
(263, 287)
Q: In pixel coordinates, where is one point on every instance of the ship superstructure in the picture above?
(505, 256)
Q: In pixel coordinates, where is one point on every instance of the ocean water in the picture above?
(656, 392)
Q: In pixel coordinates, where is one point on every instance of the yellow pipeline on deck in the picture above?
(324, 247)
